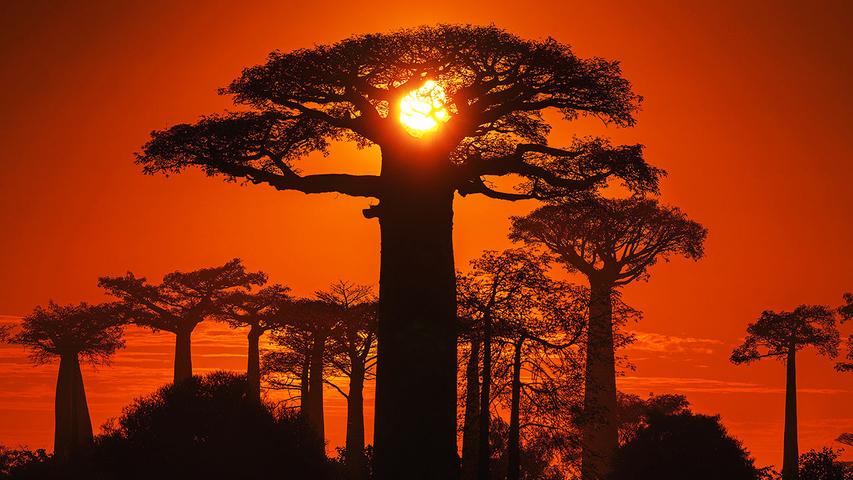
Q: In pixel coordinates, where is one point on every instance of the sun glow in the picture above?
(423, 109)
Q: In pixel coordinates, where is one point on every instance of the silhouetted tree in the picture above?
(681, 446)
(846, 312)
(634, 412)
(612, 243)
(846, 439)
(260, 311)
(180, 302)
(824, 464)
(353, 355)
(780, 335)
(304, 360)
(494, 86)
(72, 333)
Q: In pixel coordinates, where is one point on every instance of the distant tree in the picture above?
(634, 412)
(824, 464)
(261, 312)
(303, 361)
(612, 243)
(780, 335)
(846, 439)
(72, 333)
(683, 445)
(846, 312)
(180, 302)
(21, 463)
(352, 353)
(493, 87)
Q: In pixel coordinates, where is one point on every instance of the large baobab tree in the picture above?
(261, 312)
(612, 242)
(780, 335)
(352, 352)
(72, 333)
(180, 302)
(446, 107)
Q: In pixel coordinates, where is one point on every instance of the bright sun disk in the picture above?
(424, 109)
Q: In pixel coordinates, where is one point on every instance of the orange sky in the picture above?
(748, 107)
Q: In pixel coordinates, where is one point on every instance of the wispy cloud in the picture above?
(670, 344)
(708, 385)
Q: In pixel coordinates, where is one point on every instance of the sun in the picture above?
(423, 110)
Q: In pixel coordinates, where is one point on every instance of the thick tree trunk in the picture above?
(253, 366)
(314, 413)
(790, 459)
(471, 427)
(483, 453)
(73, 428)
(415, 423)
(183, 354)
(356, 461)
(514, 440)
(600, 434)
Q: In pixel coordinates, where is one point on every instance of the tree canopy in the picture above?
(778, 334)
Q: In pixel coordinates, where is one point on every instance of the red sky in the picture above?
(748, 107)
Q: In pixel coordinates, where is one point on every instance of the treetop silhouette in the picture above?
(496, 85)
(846, 312)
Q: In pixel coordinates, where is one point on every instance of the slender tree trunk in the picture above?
(600, 434)
(315, 388)
(304, 376)
(471, 427)
(514, 441)
(73, 428)
(356, 461)
(790, 460)
(483, 454)
(253, 366)
(415, 423)
(183, 354)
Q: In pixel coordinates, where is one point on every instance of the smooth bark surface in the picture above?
(415, 424)
(790, 460)
(73, 427)
(183, 355)
(471, 426)
(600, 434)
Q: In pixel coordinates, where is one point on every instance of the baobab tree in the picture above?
(612, 242)
(261, 312)
(446, 107)
(352, 354)
(846, 312)
(72, 333)
(180, 302)
(780, 335)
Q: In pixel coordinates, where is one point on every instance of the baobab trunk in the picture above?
(790, 459)
(483, 453)
(356, 461)
(253, 367)
(183, 354)
(471, 426)
(415, 422)
(514, 440)
(314, 413)
(73, 428)
(600, 434)
(304, 375)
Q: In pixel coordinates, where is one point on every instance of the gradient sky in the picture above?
(748, 107)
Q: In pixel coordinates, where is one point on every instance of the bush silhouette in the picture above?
(684, 445)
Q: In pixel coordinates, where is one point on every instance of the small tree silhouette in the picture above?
(71, 332)
(612, 243)
(780, 335)
(260, 311)
(353, 355)
(495, 86)
(846, 312)
(180, 302)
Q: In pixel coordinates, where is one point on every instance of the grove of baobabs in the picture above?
(490, 241)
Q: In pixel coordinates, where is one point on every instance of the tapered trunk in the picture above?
(314, 414)
(514, 440)
(356, 461)
(600, 434)
(415, 423)
(790, 459)
(483, 453)
(73, 428)
(183, 354)
(471, 426)
(253, 366)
